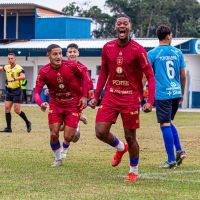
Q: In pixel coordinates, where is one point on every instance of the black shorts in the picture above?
(166, 109)
(14, 95)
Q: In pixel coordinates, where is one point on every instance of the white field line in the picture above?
(169, 179)
(158, 176)
(171, 172)
(143, 127)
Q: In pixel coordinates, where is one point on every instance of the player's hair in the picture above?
(11, 54)
(123, 15)
(52, 46)
(72, 45)
(162, 31)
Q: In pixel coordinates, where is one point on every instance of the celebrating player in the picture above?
(169, 68)
(123, 64)
(66, 98)
(72, 54)
(14, 75)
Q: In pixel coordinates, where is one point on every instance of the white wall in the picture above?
(32, 64)
(193, 77)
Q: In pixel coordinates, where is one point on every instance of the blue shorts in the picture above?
(166, 109)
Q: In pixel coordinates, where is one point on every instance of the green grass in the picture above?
(26, 172)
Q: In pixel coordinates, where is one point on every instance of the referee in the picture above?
(14, 75)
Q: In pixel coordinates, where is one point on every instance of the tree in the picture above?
(101, 20)
(182, 15)
(72, 9)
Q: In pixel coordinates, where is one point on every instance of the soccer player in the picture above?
(66, 98)
(72, 54)
(169, 68)
(14, 75)
(123, 64)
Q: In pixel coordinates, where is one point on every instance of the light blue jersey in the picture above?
(167, 62)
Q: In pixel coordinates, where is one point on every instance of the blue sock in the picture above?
(65, 146)
(55, 146)
(115, 142)
(169, 142)
(176, 138)
(134, 161)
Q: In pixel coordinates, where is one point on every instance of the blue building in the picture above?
(27, 21)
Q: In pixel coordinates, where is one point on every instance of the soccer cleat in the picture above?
(168, 165)
(63, 153)
(179, 157)
(29, 127)
(118, 156)
(57, 163)
(7, 130)
(83, 118)
(131, 177)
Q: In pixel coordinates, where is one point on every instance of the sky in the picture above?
(59, 4)
(80, 3)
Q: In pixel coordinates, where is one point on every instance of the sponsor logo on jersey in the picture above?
(173, 84)
(59, 78)
(61, 86)
(119, 70)
(119, 61)
(118, 82)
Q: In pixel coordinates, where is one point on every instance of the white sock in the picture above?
(57, 154)
(78, 128)
(120, 146)
(134, 169)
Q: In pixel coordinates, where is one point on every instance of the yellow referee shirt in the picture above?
(13, 73)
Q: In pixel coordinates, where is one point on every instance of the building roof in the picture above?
(34, 3)
(84, 44)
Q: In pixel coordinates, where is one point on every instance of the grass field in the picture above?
(26, 172)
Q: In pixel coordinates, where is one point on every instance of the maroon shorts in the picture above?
(63, 114)
(130, 117)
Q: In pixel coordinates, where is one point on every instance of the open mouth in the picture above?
(122, 33)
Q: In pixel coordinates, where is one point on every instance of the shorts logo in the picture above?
(75, 114)
(134, 113)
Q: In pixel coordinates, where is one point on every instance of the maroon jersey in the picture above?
(63, 84)
(122, 71)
